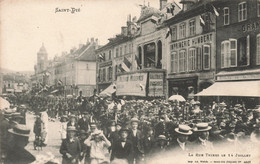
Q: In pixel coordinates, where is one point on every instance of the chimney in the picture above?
(124, 31)
(80, 46)
(163, 3)
(88, 41)
(129, 18)
(96, 43)
(187, 4)
(92, 40)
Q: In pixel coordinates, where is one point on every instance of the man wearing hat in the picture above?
(135, 136)
(181, 143)
(20, 138)
(161, 145)
(99, 145)
(149, 142)
(70, 148)
(83, 122)
(202, 129)
(122, 148)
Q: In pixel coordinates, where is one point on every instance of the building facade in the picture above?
(138, 57)
(69, 73)
(238, 40)
(191, 60)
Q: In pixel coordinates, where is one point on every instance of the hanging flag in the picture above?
(141, 87)
(202, 22)
(168, 10)
(101, 57)
(120, 68)
(136, 25)
(60, 82)
(138, 62)
(172, 9)
(169, 31)
(215, 10)
(126, 65)
(41, 85)
(134, 19)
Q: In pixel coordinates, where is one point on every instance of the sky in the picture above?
(26, 24)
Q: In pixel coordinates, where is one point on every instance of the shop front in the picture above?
(142, 83)
(236, 87)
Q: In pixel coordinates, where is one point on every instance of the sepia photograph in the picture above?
(129, 81)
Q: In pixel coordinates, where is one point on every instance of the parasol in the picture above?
(177, 98)
(4, 103)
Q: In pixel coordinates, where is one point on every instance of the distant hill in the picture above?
(8, 71)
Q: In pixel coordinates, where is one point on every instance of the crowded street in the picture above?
(130, 82)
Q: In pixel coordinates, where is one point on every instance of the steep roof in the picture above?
(147, 12)
(88, 53)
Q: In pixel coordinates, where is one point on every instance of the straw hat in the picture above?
(201, 127)
(71, 128)
(20, 130)
(183, 129)
(134, 120)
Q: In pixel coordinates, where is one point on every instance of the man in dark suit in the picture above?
(149, 142)
(70, 147)
(16, 152)
(181, 144)
(83, 123)
(123, 148)
(203, 136)
(136, 137)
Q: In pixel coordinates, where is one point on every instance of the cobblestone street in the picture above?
(54, 140)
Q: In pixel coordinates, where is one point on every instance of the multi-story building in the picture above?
(138, 59)
(237, 48)
(111, 56)
(191, 60)
(69, 73)
(15, 83)
(76, 71)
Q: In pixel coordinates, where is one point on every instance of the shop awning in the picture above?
(233, 88)
(109, 90)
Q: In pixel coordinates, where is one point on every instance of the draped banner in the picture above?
(155, 84)
(131, 84)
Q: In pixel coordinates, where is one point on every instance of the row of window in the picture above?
(182, 30)
(242, 12)
(105, 74)
(119, 51)
(235, 52)
(194, 59)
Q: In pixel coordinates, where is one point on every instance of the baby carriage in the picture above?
(38, 142)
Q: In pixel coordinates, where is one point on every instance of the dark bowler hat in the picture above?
(20, 130)
(83, 132)
(124, 129)
(64, 116)
(201, 127)
(183, 129)
(113, 123)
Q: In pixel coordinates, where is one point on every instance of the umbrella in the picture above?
(4, 103)
(177, 98)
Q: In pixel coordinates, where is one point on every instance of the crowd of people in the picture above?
(99, 130)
